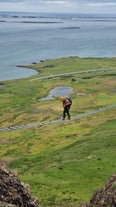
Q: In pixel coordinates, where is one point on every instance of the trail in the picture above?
(59, 121)
(72, 73)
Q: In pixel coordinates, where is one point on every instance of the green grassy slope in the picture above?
(63, 163)
(69, 172)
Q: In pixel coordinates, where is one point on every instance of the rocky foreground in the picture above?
(14, 193)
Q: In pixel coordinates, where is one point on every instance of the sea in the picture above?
(31, 37)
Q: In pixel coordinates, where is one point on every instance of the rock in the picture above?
(34, 63)
(3, 204)
(84, 205)
(105, 196)
(41, 61)
(14, 193)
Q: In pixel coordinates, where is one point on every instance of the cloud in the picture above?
(77, 6)
(98, 4)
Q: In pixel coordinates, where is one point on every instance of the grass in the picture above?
(72, 170)
(65, 163)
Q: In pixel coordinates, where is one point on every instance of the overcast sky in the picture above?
(72, 6)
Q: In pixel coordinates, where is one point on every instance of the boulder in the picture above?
(13, 192)
(104, 197)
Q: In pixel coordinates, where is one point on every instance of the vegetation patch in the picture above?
(63, 163)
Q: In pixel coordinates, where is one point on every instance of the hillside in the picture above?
(15, 193)
(64, 163)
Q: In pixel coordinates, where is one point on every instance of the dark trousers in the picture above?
(66, 111)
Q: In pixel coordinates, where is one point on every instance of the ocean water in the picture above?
(27, 38)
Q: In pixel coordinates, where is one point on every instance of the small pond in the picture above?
(58, 91)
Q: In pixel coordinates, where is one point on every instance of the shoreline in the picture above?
(23, 67)
(27, 67)
(42, 61)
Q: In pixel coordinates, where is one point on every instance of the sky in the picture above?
(62, 6)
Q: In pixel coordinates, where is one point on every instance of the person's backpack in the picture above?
(69, 99)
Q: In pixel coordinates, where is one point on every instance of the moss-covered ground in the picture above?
(65, 163)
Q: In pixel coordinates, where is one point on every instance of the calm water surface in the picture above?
(25, 39)
(58, 91)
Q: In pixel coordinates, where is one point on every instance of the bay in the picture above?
(30, 37)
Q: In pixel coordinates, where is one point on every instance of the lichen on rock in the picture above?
(104, 197)
(13, 192)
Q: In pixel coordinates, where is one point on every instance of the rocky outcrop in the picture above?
(14, 193)
(104, 197)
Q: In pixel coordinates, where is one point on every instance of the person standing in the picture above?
(67, 102)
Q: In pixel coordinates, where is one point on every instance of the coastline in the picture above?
(30, 68)
(32, 65)
(25, 76)
(27, 37)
